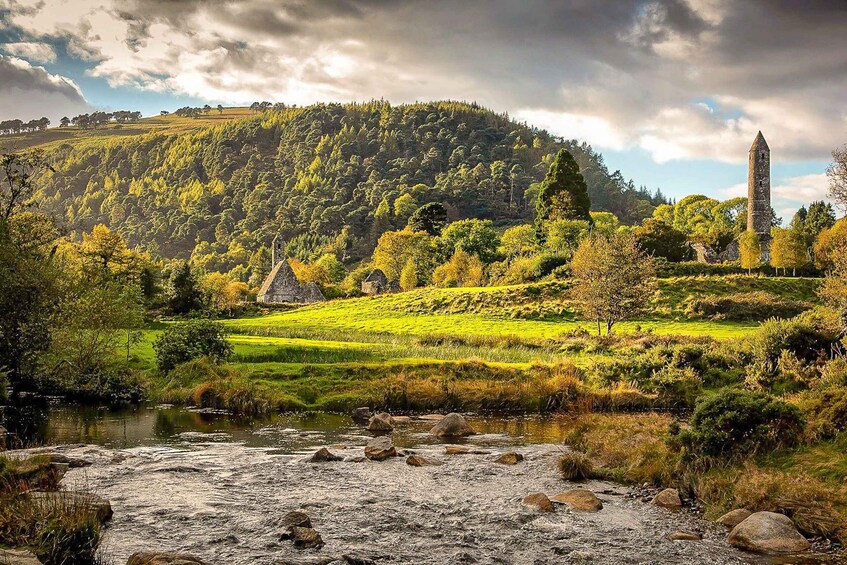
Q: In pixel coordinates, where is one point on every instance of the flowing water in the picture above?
(217, 487)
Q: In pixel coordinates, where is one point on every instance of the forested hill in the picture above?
(219, 192)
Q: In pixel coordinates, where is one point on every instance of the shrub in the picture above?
(826, 411)
(193, 339)
(797, 336)
(735, 423)
(744, 306)
(677, 387)
(575, 466)
(112, 384)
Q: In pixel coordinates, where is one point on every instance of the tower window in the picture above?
(763, 154)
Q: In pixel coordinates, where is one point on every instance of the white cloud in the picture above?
(35, 52)
(28, 92)
(619, 74)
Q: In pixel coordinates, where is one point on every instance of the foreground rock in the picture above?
(380, 449)
(18, 557)
(163, 558)
(380, 423)
(510, 458)
(768, 532)
(579, 499)
(303, 538)
(681, 535)
(668, 498)
(418, 461)
(64, 500)
(734, 517)
(452, 425)
(71, 462)
(538, 501)
(296, 518)
(324, 455)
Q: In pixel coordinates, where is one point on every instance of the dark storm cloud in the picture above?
(28, 92)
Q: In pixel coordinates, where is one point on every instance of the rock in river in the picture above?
(362, 414)
(418, 461)
(163, 558)
(538, 501)
(768, 532)
(380, 449)
(296, 518)
(462, 450)
(305, 538)
(668, 498)
(380, 423)
(323, 455)
(452, 425)
(509, 458)
(100, 507)
(681, 535)
(734, 517)
(579, 499)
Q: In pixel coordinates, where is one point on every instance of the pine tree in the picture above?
(563, 193)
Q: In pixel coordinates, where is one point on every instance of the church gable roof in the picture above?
(377, 276)
(281, 275)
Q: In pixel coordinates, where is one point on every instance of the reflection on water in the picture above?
(51, 423)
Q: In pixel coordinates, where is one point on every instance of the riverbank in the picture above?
(230, 485)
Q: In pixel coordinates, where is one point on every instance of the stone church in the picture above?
(281, 284)
(759, 214)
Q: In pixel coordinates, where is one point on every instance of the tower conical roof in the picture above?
(759, 143)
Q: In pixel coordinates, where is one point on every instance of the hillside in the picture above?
(183, 187)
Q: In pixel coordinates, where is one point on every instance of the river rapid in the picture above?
(218, 488)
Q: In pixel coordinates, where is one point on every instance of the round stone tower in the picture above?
(759, 189)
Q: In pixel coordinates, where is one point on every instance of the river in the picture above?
(217, 487)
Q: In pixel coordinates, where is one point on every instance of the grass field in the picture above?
(171, 123)
(354, 348)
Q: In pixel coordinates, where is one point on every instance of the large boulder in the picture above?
(734, 517)
(163, 558)
(380, 423)
(538, 501)
(18, 557)
(323, 455)
(668, 498)
(83, 501)
(380, 449)
(579, 499)
(768, 532)
(452, 425)
(362, 414)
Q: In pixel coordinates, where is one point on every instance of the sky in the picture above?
(672, 92)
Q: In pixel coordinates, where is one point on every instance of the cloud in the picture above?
(34, 52)
(28, 92)
(624, 73)
(790, 193)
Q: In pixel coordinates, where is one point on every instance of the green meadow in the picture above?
(342, 352)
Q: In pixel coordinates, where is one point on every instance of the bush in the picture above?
(112, 384)
(677, 387)
(826, 411)
(799, 337)
(735, 423)
(575, 466)
(185, 341)
(745, 306)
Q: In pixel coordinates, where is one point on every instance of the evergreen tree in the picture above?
(183, 290)
(563, 194)
(430, 218)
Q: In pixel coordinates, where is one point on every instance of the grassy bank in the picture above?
(806, 483)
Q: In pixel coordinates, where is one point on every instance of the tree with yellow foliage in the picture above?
(750, 251)
(462, 269)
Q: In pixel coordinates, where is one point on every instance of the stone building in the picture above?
(281, 284)
(376, 283)
(759, 214)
